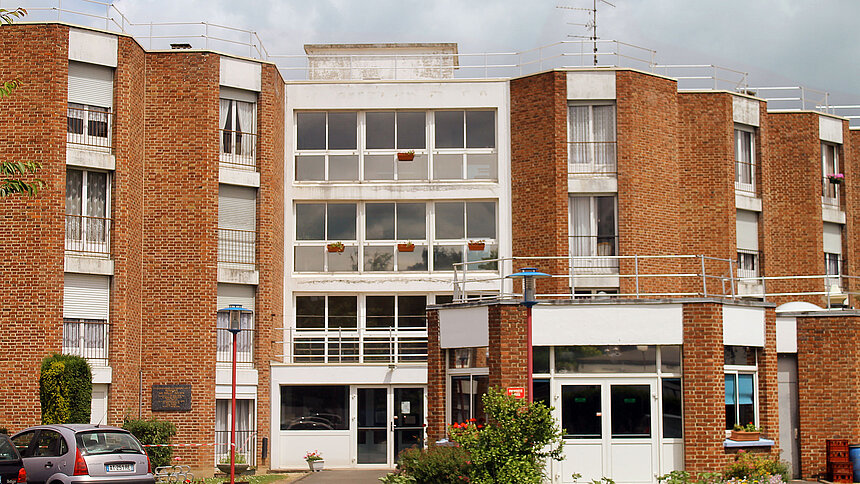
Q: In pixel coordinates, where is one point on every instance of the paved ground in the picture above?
(344, 476)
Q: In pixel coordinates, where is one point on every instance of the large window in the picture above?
(593, 233)
(832, 238)
(740, 385)
(591, 138)
(746, 231)
(315, 407)
(238, 121)
(246, 434)
(830, 166)
(90, 99)
(364, 145)
(466, 394)
(389, 236)
(87, 222)
(745, 159)
(86, 338)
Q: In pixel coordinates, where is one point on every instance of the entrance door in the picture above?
(610, 429)
(389, 420)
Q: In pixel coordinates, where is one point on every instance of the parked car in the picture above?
(11, 466)
(82, 453)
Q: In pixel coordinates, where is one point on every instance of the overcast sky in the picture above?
(779, 42)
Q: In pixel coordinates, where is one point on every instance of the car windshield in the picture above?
(107, 442)
(7, 450)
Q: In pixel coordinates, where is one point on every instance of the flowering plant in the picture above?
(836, 178)
(750, 427)
(313, 456)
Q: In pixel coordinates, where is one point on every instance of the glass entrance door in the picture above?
(389, 420)
(408, 418)
(372, 445)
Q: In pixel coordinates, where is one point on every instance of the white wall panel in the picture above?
(830, 129)
(745, 111)
(591, 85)
(92, 47)
(241, 74)
(609, 324)
(743, 326)
(786, 335)
(464, 327)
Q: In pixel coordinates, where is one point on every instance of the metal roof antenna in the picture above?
(591, 25)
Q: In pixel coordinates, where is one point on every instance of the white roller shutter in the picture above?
(86, 297)
(747, 230)
(238, 94)
(90, 84)
(237, 207)
(832, 238)
(236, 294)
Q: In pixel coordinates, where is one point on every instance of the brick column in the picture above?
(436, 385)
(768, 404)
(508, 355)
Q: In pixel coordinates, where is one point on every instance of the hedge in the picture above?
(65, 389)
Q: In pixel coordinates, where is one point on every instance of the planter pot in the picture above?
(835, 181)
(405, 156)
(405, 247)
(740, 436)
(477, 246)
(240, 468)
(334, 248)
(316, 465)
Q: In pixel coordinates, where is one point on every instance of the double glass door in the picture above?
(389, 420)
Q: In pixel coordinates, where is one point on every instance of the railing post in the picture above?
(636, 273)
(704, 278)
(732, 277)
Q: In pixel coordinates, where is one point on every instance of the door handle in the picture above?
(49, 464)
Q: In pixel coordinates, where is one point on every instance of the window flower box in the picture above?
(476, 245)
(315, 461)
(335, 247)
(407, 247)
(406, 156)
(742, 436)
(836, 178)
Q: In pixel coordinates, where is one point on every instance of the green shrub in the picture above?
(65, 389)
(153, 432)
(684, 477)
(434, 465)
(756, 467)
(514, 445)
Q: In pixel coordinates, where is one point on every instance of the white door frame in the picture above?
(391, 459)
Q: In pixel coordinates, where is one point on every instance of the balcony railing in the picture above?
(356, 346)
(244, 346)
(829, 192)
(745, 176)
(592, 157)
(87, 339)
(592, 254)
(237, 248)
(246, 446)
(88, 235)
(89, 126)
(239, 149)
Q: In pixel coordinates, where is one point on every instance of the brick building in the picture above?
(701, 260)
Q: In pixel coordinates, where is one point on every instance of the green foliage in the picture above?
(395, 478)
(684, 477)
(154, 432)
(13, 182)
(7, 87)
(9, 16)
(65, 389)
(434, 465)
(602, 480)
(515, 443)
(756, 467)
(750, 427)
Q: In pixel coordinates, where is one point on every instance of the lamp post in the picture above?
(236, 314)
(528, 275)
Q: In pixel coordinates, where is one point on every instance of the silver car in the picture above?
(82, 453)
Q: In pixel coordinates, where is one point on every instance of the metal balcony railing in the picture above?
(591, 254)
(89, 126)
(239, 149)
(591, 157)
(745, 176)
(351, 345)
(830, 192)
(87, 339)
(88, 235)
(246, 446)
(244, 347)
(237, 248)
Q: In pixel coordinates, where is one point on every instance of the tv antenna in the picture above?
(591, 25)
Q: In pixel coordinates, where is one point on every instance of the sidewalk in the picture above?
(344, 477)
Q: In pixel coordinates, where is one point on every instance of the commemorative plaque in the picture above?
(171, 398)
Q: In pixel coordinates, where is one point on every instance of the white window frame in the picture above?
(740, 164)
(745, 370)
(96, 355)
(597, 264)
(72, 244)
(592, 166)
(745, 259)
(244, 158)
(830, 192)
(88, 113)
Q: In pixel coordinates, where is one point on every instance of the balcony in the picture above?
(592, 254)
(745, 178)
(244, 346)
(89, 126)
(87, 339)
(88, 235)
(351, 345)
(237, 249)
(239, 150)
(246, 445)
(830, 195)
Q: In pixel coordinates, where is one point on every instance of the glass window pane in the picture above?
(745, 389)
(380, 311)
(605, 218)
(461, 399)
(310, 131)
(540, 357)
(449, 129)
(310, 259)
(450, 220)
(343, 167)
(730, 386)
(314, 407)
(631, 411)
(310, 221)
(346, 261)
(410, 130)
(444, 257)
(481, 220)
(447, 167)
(606, 359)
(490, 252)
(413, 261)
(411, 221)
(481, 166)
(412, 170)
(540, 390)
(480, 129)
(673, 422)
(670, 359)
(379, 258)
(380, 130)
(310, 312)
(342, 312)
(310, 168)
(342, 127)
(341, 221)
(379, 167)
(480, 385)
(581, 411)
(412, 312)
(740, 355)
(379, 221)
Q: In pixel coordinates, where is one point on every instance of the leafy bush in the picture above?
(515, 443)
(153, 432)
(756, 467)
(65, 389)
(684, 477)
(434, 465)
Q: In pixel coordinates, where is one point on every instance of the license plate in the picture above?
(119, 467)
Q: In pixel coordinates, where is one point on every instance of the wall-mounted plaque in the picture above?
(171, 398)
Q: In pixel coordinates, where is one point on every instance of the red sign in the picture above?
(517, 392)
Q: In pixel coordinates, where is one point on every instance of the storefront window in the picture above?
(606, 359)
(315, 407)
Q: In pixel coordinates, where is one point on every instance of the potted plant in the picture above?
(335, 247)
(315, 461)
(836, 178)
(407, 247)
(476, 245)
(745, 433)
(406, 155)
(241, 464)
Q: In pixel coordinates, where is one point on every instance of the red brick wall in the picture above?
(436, 385)
(508, 352)
(127, 205)
(768, 404)
(851, 203)
(649, 182)
(31, 268)
(539, 196)
(828, 352)
(791, 196)
(180, 245)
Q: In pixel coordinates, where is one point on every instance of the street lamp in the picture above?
(238, 318)
(528, 275)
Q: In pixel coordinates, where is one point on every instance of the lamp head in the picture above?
(528, 275)
(236, 315)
